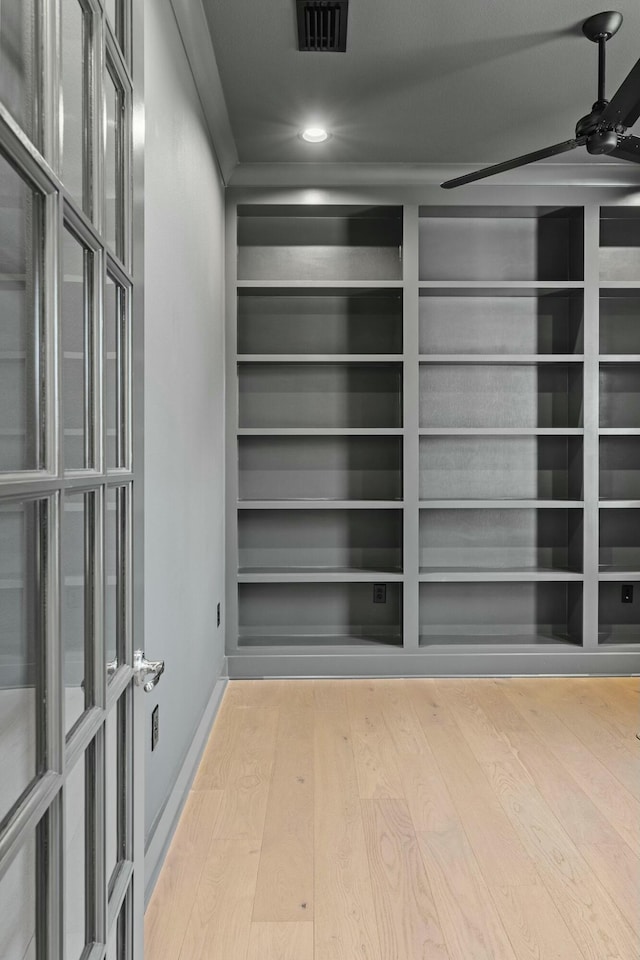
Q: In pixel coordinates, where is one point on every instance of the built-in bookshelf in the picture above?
(619, 428)
(435, 446)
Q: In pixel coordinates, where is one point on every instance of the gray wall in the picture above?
(184, 403)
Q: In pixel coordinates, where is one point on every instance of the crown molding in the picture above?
(196, 39)
(590, 174)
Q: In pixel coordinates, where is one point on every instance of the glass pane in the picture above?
(113, 169)
(111, 781)
(74, 862)
(18, 72)
(74, 157)
(20, 321)
(118, 752)
(116, 12)
(115, 321)
(77, 354)
(18, 906)
(111, 581)
(76, 605)
(119, 945)
(20, 630)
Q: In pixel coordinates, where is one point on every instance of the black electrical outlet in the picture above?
(218, 615)
(379, 593)
(627, 593)
(155, 726)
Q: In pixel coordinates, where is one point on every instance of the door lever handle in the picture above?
(147, 673)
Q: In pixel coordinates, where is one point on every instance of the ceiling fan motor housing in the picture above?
(602, 141)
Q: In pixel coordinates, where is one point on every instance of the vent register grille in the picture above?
(322, 25)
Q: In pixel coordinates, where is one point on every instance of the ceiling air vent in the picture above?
(322, 25)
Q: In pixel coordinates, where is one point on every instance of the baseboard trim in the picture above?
(459, 663)
(164, 829)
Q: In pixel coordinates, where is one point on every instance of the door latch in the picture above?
(147, 673)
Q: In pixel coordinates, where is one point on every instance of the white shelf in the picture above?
(320, 358)
(619, 575)
(497, 576)
(532, 358)
(320, 431)
(502, 431)
(334, 285)
(618, 504)
(320, 504)
(463, 643)
(506, 285)
(327, 643)
(500, 504)
(319, 575)
(619, 358)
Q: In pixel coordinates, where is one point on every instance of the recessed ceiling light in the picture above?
(314, 135)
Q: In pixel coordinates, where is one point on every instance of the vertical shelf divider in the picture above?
(230, 620)
(591, 424)
(411, 400)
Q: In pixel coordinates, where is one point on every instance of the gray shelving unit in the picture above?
(435, 449)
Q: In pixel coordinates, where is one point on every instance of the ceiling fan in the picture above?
(604, 130)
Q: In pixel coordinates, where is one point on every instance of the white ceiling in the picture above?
(422, 81)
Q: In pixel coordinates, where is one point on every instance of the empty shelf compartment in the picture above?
(500, 395)
(320, 468)
(501, 468)
(619, 540)
(500, 322)
(319, 321)
(509, 540)
(525, 613)
(620, 395)
(620, 468)
(346, 395)
(618, 622)
(290, 541)
(319, 243)
(619, 243)
(620, 322)
(501, 243)
(318, 614)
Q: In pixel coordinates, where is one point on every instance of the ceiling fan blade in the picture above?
(516, 162)
(624, 106)
(628, 149)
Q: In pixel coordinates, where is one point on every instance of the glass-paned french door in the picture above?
(70, 870)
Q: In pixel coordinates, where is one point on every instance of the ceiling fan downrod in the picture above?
(600, 140)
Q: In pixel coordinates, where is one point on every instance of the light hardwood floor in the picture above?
(410, 820)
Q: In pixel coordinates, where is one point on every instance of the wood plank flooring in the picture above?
(410, 820)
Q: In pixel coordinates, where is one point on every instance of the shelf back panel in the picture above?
(619, 395)
(501, 324)
(338, 612)
(501, 539)
(320, 323)
(486, 468)
(324, 468)
(500, 395)
(620, 539)
(504, 248)
(455, 612)
(618, 622)
(320, 539)
(620, 468)
(320, 395)
(620, 323)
